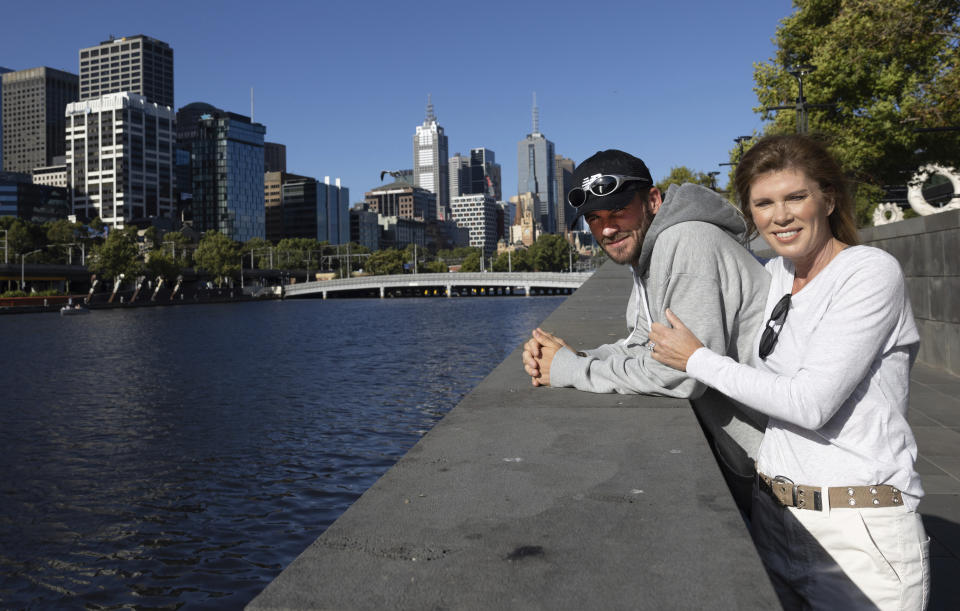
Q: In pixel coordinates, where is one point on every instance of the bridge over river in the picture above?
(450, 284)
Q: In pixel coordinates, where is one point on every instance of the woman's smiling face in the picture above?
(790, 211)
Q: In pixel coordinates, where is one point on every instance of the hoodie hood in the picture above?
(690, 202)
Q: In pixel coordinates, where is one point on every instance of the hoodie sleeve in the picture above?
(627, 367)
(685, 275)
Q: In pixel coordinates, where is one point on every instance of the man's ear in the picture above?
(654, 199)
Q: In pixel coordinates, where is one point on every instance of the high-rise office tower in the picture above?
(478, 173)
(485, 173)
(274, 157)
(33, 118)
(430, 169)
(273, 183)
(338, 213)
(226, 161)
(563, 182)
(120, 155)
(2, 71)
(139, 64)
(316, 210)
(535, 163)
(459, 169)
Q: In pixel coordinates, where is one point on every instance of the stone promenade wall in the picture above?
(542, 498)
(928, 249)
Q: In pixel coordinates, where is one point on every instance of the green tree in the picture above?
(434, 267)
(217, 255)
(471, 263)
(60, 231)
(152, 236)
(260, 248)
(454, 256)
(179, 246)
(292, 253)
(517, 260)
(384, 262)
(116, 255)
(884, 68)
(162, 264)
(682, 174)
(20, 237)
(550, 253)
(58, 235)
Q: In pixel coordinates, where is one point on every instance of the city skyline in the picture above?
(672, 85)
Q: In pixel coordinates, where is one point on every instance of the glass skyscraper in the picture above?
(535, 168)
(226, 160)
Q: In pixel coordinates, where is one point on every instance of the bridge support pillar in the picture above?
(381, 292)
(449, 291)
(526, 290)
(324, 294)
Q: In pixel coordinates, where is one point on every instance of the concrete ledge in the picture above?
(541, 499)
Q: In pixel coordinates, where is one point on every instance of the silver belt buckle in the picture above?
(780, 479)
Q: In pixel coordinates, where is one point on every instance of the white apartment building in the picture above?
(477, 213)
(120, 153)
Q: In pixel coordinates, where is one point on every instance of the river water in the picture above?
(181, 457)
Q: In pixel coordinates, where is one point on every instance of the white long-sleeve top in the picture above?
(836, 384)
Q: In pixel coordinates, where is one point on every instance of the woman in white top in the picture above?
(834, 505)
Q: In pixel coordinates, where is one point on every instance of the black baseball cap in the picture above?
(610, 161)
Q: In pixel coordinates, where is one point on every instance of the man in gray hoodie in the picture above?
(685, 253)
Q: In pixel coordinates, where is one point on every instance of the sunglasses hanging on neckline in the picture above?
(770, 334)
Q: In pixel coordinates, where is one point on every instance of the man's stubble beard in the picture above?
(629, 253)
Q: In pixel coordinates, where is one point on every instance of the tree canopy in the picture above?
(117, 255)
(682, 174)
(550, 253)
(383, 262)
(217, 255)
(886, 70)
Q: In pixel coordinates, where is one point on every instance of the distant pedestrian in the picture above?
(834, 506)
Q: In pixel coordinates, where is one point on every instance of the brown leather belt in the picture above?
(788, 494)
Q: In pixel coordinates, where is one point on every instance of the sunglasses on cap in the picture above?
(600, 185)
(772, 331)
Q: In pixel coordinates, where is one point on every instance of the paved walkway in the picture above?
(935, 417)
(557, 499)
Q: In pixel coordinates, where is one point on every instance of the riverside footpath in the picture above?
(542, 498)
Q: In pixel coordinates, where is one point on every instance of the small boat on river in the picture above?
(72, 309)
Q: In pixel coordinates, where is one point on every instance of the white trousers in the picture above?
(843, 558)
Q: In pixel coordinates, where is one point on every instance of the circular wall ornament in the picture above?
(887, 212)
(915, 189)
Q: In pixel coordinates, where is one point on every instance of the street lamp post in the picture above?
(6, 259)
(739, 140)
(798, 72)
(713, 179)
(23, 259)
(801, 106)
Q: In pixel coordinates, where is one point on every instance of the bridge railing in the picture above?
(538, 279)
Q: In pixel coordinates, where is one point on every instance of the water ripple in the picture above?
(180, 457)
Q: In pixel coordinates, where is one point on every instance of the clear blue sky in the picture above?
(344, 84)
